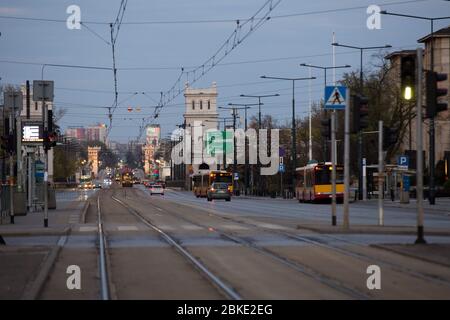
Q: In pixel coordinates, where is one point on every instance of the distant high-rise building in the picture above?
(91, 133)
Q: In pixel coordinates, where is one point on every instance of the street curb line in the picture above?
(409, 255)
(34, 288)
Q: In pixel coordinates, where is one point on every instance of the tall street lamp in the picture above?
(259, 103)
(294, 131)
(324, 68)
(432, 192)
(234, 109)
(361, 49)
(260, 180)
(246, 106)
(225, 119)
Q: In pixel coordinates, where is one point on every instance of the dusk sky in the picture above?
(275, 49)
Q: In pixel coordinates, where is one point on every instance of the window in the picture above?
(209, 104)
(201, 104)
(35, 106)
(193, 105)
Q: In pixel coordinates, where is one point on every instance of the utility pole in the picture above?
(432, 160)
(294, 127)
(333, 168)
(11, 161)
(361, 87)
(419, 170)
(347, 162)
(260, 177)
(380, 174)
(245, 107)
(234, 108)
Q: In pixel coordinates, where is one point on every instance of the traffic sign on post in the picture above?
(42, 90)
(335, 97)
(281, 168)
(403, 162)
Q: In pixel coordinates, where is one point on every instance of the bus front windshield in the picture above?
(324, 176)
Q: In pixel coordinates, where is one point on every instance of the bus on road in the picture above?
(202, 182)
(314, 182)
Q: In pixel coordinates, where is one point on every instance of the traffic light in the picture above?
(390, 137)
(4, 142)
(434, 106)
(46, 141)
(360, 105)
(49, 140)
(408, 76)
(326, 128)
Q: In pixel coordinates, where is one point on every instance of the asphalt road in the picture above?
(360, 214)
(246, 248)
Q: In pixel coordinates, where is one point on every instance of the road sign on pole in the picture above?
(403, 162)
(281, 168)
(335, 97)
(42, 90)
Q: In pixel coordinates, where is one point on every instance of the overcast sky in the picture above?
(286, 42)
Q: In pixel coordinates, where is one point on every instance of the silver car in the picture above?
(219, 190)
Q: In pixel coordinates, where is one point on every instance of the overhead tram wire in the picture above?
(239, 34)
(198, 21)
(115, 28)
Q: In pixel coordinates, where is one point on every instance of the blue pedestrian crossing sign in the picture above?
(335, 97)
(281, 168)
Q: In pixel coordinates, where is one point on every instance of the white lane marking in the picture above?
(191, 227)
(87, 229)
(271, 226)
(159, 209)
(233, 227)
(127, 228)
(164, 227)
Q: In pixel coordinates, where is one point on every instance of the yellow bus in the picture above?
(202, 182)
(314, 182)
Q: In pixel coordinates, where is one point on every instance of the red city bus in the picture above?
(202, 182)
(314, 182)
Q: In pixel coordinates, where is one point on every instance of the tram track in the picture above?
(215, 280)
(294, 265)
(335, 248)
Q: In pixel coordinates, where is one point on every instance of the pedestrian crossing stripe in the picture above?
(335, 97)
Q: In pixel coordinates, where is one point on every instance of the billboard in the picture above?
(32, 132)
(153, 134)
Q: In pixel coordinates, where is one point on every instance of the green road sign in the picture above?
(217, 140)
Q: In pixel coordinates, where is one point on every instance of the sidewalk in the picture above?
(59, 220)
(442, 204)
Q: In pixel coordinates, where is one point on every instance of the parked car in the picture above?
(219, 190)
(156, 189)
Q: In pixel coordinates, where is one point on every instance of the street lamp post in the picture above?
(324, 68)
(432, 187)
(225, 119)
(260, 184)
(294, 131)
(234, 108)
(361, 85)
(245, 107)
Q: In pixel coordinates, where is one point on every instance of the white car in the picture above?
(156, 189)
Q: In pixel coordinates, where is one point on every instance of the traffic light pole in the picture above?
(431, 192)
(380, 174)
(11, 163)
(333, 166)
(347, 162)
(419, 170)
(45, 115)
